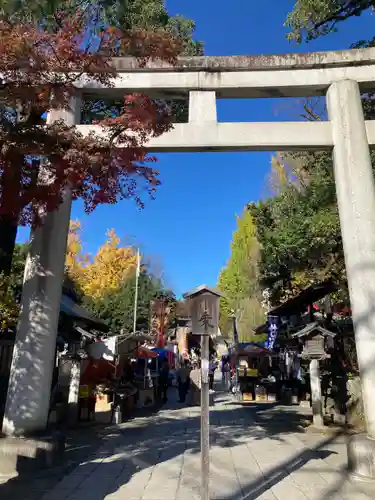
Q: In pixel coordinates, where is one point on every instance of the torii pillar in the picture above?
(356, 202)
(29, 391)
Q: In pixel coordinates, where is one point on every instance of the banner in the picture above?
(160, 312)
(272, 331)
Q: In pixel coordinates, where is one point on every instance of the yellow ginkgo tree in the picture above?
(110, 267)
(102, 273)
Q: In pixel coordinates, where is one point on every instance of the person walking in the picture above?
(163, 381)
(211, 374)
(183, 381)
(226, 376)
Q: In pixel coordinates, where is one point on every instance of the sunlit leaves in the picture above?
(313, 18)
(102, 273)
(239, 279)
(40, 69)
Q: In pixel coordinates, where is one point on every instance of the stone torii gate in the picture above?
(341, 76)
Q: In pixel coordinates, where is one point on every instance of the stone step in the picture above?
(26, 455)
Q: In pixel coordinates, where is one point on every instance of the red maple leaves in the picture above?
(38, 160)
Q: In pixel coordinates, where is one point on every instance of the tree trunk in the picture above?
(10, 185)
(8, 234)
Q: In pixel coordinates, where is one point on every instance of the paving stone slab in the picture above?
(252, 458)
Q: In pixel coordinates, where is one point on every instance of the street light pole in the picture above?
(205, 411)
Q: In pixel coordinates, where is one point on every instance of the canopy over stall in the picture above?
(251, 350)
(305, 299)
(77, 313)
(144, 352)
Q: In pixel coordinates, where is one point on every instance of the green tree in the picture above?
(299, 231)
(299, 227)
(129, 15)
(239, 280)
(313, 18)
(116, 308)
(11, 289)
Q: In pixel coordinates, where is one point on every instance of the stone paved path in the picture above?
(257, 452)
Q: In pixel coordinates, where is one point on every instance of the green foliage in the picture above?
(250, 314)
(239, 279)
(299, 231)
(11, 289)
(17, 271)
(313, 18)
(126, 14)
(299, 227)
(116, 308)
(9, 308)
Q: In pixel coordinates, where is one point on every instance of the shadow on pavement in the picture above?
(170, 437)
(82, 443)
(258, 487)
(109, 461)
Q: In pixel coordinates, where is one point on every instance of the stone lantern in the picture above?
(316, 341)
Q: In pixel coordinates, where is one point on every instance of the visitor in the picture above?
(226, 378)
(195, 384)
(211, 374)
(128, 374)
(164, 380)
(183, 381)
(222, 366)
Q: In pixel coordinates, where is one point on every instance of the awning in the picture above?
(70, 308)
(307, 297)
(253, 350)
(144, 352)
(85, 333)
(161, 351)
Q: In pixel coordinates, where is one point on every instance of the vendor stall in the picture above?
(146, 379)
(103, 382)
(255, 377)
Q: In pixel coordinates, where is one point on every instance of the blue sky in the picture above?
(188, 228)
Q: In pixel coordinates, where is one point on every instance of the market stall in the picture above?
(104, 391)
(146, 379)
(254, 369)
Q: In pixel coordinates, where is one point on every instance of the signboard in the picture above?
(205, 304)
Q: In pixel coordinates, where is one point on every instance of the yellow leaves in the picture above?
(286, 170)
(106, 271)
(75, 259)
(299, 281)
(239, 279)
(111, 266)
